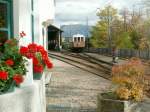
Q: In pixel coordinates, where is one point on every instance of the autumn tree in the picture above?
(101, 32)
(127, 30)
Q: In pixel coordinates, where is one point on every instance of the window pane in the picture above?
(3, 36)
(78, 39)
(3, 15)
(75, 39)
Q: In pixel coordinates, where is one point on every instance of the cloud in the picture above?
(77, 11)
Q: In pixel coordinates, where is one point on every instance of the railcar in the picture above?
(78, 42)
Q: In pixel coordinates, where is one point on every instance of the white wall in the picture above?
(36, 21)
(25, 99)
(43, 10)
(22, 19)
(47, 13)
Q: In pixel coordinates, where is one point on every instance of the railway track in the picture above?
(85, 62)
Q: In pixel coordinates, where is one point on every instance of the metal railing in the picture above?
(125, 53)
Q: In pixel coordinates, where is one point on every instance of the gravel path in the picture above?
(72, 89)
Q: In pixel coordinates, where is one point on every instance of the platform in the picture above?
(73, 89)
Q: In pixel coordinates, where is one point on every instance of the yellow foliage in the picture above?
(130, 80)
(123, 93)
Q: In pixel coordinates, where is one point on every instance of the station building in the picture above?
(54, 37)
(31, 17)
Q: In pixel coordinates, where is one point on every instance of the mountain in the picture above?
(70, 30)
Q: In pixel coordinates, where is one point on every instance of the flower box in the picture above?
(37, 76)
(110, 105)
(8, 89)
(28, 78)
(39, 57)
(127, 89)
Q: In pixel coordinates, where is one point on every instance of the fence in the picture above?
(125, 53)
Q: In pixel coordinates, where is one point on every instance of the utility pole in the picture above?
(87, 25)
(109, 28)
(125, 19)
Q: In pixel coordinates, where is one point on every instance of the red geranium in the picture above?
(30, 55)
(22, 34)
(23, 50)
(49, 64)
(31, 51)
(40, 48)
(3, 75)
(38, 68)
(9, 62)
(18, 79)
(32, 47)
(35, 61)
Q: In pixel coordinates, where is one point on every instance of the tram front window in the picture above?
(75, 39)
(81, 38)
(78, 39)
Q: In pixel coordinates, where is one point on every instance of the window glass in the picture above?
(5, 19)
(3, 15)
(81, 38)
(3, 36)
(78, 39)
(75, 39)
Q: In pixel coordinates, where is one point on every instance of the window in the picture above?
(78, 39)
(75, 39)
(5, 20)
(81, 38)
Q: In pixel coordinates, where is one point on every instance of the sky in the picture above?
(84, 11)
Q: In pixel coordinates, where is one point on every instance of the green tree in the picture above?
(100, 33)
(124, 41)
(135, 39)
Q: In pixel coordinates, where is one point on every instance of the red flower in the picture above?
(48, 63)
(23, 50)
(22, 34)
(9, 62)
(40, 48)
(38, 68)
(30, 55)
(32, 48)
(18, 79)
(35, 61)
(44, 53)
(3, 75)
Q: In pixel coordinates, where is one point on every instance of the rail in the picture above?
(85, 62)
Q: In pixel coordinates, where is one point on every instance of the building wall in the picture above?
(22, 19)
(22, 11)
(47, 14)
(43, 11)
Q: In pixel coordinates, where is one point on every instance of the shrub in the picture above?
(12, 65)
(128, 79)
